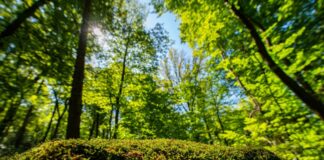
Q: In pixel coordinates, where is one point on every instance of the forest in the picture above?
(91, 70)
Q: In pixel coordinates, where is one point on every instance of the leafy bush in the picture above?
(160, 149)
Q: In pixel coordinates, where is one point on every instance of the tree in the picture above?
(310, 100)
(128, 83)
(313, 103)
(25, 65)
(214, 29)
(73, 127)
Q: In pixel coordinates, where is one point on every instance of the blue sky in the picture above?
(170, 24)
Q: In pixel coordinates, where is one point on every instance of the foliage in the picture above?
(140, 149)
(137, 87)
(268, 114)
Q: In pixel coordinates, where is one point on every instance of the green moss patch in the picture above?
(160, 149)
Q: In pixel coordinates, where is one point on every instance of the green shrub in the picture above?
(160, 149)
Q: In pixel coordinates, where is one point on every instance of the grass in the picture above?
(159, 149)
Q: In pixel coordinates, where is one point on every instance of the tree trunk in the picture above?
(92, 129)
(110, 117)
(219, 121)
(60, 117)
(211, 141)
(311, 101)
(14, 25)
(104, 133)
(52, 116)
(10, 114)
(22, 129)
(97, 124)
(120, 90)
(109, 134)
(74, 116)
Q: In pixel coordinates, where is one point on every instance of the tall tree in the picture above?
(73, 127)
(310, 100)
(288, 30)
(120, 90)
(313, 101)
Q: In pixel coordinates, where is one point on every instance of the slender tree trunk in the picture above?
(52, 116)
(22, 129)
(220, 121)
(208, 130)
(120, 91)
(92, 129)
(22, 17)
(10, 114)
(60, 117)
(104, 133)
(97, 124)
(110, 117)
(110, 123)
(74, 116)
(311, 101)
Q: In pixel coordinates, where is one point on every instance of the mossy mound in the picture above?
(159, 149)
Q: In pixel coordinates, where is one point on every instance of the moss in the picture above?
(160, 149)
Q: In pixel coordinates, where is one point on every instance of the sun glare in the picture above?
(100, 36)
(97, 31)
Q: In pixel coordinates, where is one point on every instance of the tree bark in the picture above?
(14, 25)
(74, 116)
(311, 101)
(120, 91)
